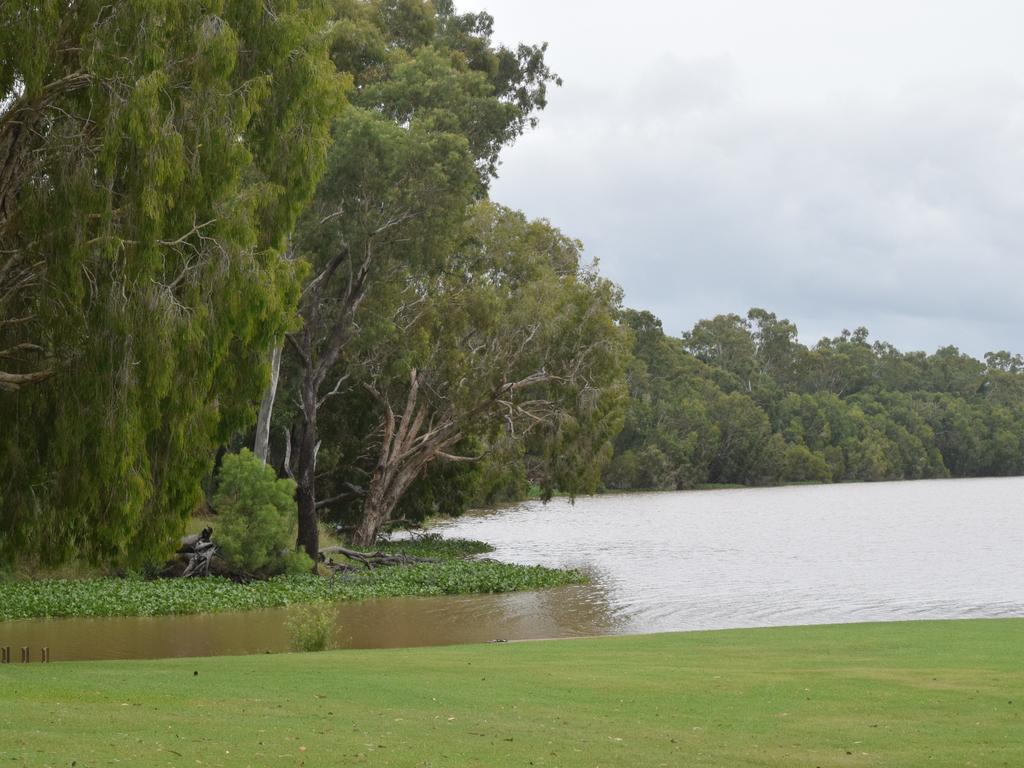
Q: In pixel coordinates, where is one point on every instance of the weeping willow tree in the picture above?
(153, 159)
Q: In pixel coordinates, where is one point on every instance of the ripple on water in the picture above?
(765, 557)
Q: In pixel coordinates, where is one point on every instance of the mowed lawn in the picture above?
(909, 694)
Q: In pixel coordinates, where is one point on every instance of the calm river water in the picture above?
(662, 562)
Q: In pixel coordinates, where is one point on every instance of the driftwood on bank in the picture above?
(198, 556)
(189, 543)
(370, 561)
(200, 560)
(198, 552)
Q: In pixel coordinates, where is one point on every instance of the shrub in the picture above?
(296, 562)
(801, 465)
(310, 627)
(256, 517)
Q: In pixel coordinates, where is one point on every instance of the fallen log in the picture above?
(371, 561)
(200, 560)
(189, 543)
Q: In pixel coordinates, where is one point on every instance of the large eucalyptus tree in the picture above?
(514, 342)
(434, 102)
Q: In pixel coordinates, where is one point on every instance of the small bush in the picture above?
(256, 516)
(297, 562)
(310, 627)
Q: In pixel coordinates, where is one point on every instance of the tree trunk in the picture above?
(305, 476)
(387, 486)
(375, 513)
(261, 446)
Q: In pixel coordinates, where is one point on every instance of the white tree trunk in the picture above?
(262, 443)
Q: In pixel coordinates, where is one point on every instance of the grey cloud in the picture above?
(902, 214)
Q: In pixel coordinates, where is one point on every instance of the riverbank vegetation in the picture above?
(43, 598)
(273, 229)
(269, 225)
(740, 400)
(910, 694)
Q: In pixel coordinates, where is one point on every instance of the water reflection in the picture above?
(661, 562)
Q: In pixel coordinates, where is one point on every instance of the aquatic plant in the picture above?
(434, 545)
(310, 627)
(136, 597)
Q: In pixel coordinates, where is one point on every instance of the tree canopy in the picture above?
(513, 345)
(740, 400)
(153, 160)
(435, 101)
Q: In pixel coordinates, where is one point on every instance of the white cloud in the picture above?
(840, 197)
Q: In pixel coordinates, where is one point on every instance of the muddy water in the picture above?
(661, 562)
(395, 623)
(778, 556)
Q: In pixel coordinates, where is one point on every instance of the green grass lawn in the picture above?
(914, 694)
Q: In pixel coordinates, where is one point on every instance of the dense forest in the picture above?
(233, 225)
(740, 400)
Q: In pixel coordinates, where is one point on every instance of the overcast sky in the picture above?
(838, 162)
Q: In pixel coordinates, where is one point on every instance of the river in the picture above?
(662, 562)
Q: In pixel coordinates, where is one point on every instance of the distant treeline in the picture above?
(740, 400)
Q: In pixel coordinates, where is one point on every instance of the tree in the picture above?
(513, 341)
(725, 342)
(801, 465)
(256, 517)
(435, 101)
(843, 365)
(779, 355)
(154, 158)
(743, 435)
(668, 439)
(846, 409)
(949, 370)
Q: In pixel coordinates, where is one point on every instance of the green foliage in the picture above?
(436, 100)
(171, 147)
(310, 627)
(256, 516)
(739, 400)
(510, 347)
(800, 465)
(436, 546)
(295, 562)
(124, 597)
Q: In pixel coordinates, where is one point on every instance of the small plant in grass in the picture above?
(310, 627)
(256, 517)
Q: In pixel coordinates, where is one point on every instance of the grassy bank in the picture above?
(452, 575)
(916, 694)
